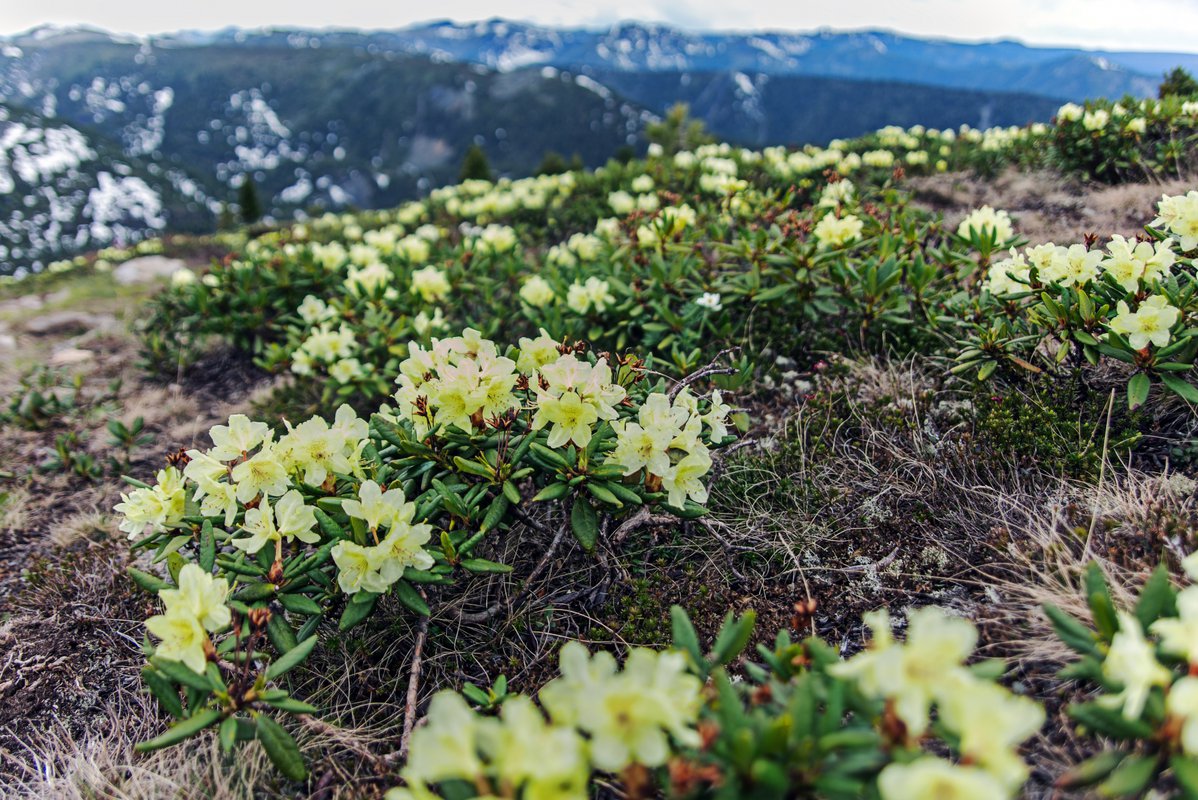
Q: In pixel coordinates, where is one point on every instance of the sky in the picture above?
(1106, 24)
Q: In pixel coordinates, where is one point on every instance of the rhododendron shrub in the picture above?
(801, 722)
(1142, 663)
(1052, 307)
(270, 530)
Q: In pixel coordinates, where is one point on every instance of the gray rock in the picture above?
(146, 269)
(8, 342)
(70, 356)
(68, 322)
(26, 302)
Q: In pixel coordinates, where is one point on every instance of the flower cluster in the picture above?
(1143, 664)
(651, 726)
(1131, 301)
(987, 223)
(156, 508)
(1179, 216)
(193, 610)
(376, 567)
(246, 463)
(601, 718)
(926, 672)
(669, 442)
(833, 231)
(459, 382)
(269, 525)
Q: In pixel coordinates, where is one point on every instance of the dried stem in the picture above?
(409, 714)
(508, 605)
(712, 368)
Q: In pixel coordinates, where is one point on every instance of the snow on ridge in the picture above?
(35, 155)
(592, 85)
(518, 56)
(117, 200)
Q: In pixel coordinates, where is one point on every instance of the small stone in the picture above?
(67, 322)
(71, 356)
(146, 269)
(8, 342)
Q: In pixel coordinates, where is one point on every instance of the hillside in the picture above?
(333, 120)
(857, 470)
(64, 189)
(1063, 73)
(759, 109)
(330, 129)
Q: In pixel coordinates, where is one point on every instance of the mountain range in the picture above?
(131, 135)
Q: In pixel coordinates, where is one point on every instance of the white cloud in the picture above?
(1110, 24)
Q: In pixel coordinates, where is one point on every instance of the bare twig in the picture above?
(409, 714)
(712, 368)
(508, 605)
(340, 736)
(641, 519)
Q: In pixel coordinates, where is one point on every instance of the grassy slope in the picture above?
(861, 493)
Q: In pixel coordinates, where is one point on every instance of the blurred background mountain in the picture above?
(105, 138)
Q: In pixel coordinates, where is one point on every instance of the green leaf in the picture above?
(1109, 722)
(483, 565)
(280, 633)
(553, 491)
(282, 749)
(1137, 390)
(228, 734)
(989, 670)
(170, 548)
(475, 695)
(552, 456)
(1101, 606)
(1180, 387)
(1072, 632)
(686, 638)
(407, 594)
(151, 583)
(495, 513)
(473, 467)
(291, 659)
(180, 731)
(603, 494)
(300, 604)
(1185, 770)
(291, 705)
(174, 565)
(181, 674)
(207, 546)
(255, 591)
(1157, 598)
(1130, 778)
(354, 613)
(163, 690)
(328, 526)
(733, 637)
(585, 523)
(1092, 770)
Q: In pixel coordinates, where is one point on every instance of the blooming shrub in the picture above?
(802, 722)
(1141, 663)
(1131, 139)
(675, 281)
(267, 532)
(1133, 302)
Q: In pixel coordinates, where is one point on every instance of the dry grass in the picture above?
(1047, 207)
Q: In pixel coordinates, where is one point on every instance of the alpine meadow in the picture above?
(515, 412)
